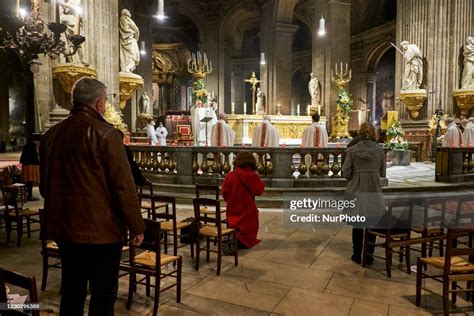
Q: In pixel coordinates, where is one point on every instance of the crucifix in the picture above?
(253, 81)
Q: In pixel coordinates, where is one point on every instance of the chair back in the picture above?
(201, 202)
(169, 212)
(18, 280)
(10, 199)
(433, 216)
(465, 209)
(406, 205)
(151, 241)
(207, 188)
(456, 231)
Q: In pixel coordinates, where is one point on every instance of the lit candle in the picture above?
(245, 108)
(298, 110)
(232, 109)
(307, 110)
(17, 8)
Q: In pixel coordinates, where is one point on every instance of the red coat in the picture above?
(242, 212)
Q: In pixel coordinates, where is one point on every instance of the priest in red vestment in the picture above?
(239, 190)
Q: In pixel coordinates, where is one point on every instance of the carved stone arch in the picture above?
(306, 18)
(375, 54)
(236, 22)
(284, 10)
(195, 18)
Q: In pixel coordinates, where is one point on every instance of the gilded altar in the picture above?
(290, 128)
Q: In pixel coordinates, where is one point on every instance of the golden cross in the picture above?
(253, 81)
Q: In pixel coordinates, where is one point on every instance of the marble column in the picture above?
(332, 48)
(439, 28)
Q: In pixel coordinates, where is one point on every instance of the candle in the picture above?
(17, 8)
(77, 26)
(307, 110)
(232, 109)
(245, 108)
(56, 11)
(298, 110)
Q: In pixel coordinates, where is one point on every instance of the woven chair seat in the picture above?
(393, 236)
(430, 230)
(458, 264)
(148, 258)
(205, 210)
(25, 212)
(147, 205)
(51, 245)
(168, 225)
(125, 248)
(211, 231)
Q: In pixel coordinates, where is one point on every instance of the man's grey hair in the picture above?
(87, 90)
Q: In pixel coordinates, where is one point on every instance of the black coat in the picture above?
(29, 155)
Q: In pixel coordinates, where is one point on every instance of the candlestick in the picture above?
(245, 108)
(297, 110)
(232, 109)
(56, 11)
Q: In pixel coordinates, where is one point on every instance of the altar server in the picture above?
(222, 134)
(265, 135)
(150, 131)
(453, 136)
(161, 133)
(315, 135)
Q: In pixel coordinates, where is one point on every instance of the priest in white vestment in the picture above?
(314, 136)
(161, 133)
(222, 134)
(453, 136)
(468, 134)
(150, 131)
(265, 135)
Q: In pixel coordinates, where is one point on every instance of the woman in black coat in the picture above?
(30, 165)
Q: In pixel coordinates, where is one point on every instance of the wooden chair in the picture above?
(433, 224)
(149, 263)
(215, 232)
(391, 234)
(457, 266)
(18, 280)
(16, 214)
(49, 249)
(208, 190)
(170, 224)
(146, 200)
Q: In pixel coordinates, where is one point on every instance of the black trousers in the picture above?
(96, 264)
(358, 242)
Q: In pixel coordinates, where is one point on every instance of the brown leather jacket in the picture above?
(90, 197)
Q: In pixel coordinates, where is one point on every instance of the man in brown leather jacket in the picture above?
(90, 200)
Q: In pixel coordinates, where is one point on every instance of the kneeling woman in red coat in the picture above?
(239, 190)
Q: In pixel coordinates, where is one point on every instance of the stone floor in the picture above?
(293, 271)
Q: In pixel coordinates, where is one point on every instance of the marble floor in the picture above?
(294, 271)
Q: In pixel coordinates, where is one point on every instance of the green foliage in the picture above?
(200, 94)
(395, 140)
(344, 101)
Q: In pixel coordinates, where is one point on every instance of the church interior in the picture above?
(193, 84)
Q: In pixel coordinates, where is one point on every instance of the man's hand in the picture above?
(137, 240)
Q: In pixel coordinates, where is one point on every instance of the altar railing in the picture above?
(279, 167)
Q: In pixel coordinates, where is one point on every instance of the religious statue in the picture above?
(260, 106)
(313, 87)
(129, 35)
(387, 101)
(145, 102)
(71, 18)
(413, 73)
(467, 81)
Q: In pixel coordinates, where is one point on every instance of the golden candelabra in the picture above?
(340, 122)
(199, 66)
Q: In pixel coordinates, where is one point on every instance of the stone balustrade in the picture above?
(283, 167)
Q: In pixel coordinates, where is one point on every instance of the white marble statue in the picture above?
(313, 87)
(145, 102)
(68, 15)
(413, 73)
(260, 106)
(129, 35)
(467, 81)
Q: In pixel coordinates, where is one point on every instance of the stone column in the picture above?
(439, 28)
(5, 104)
(369, 79)
(332, 48)
(237, 89)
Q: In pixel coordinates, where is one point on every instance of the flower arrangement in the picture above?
(200, 94)
(344, 101)
(395, 140)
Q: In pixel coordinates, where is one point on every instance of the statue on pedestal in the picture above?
(129, 35)
(467, 81)
(69, 16)
(314, 91)
(413, 73)
(145, 102)
(260, 106)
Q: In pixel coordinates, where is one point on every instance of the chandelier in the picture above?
(199, 66)
(26, 35)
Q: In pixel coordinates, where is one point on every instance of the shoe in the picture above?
(369, 260)
(356, 259)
